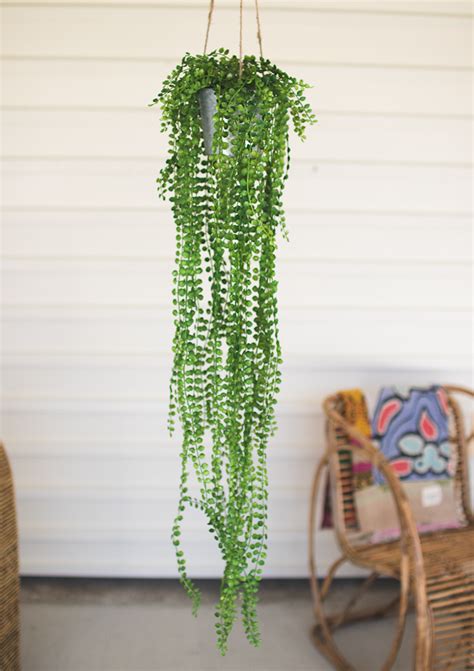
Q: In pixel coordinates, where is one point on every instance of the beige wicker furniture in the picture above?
(9, 580)
(435, 571)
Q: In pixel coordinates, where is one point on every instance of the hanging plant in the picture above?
(226, 185)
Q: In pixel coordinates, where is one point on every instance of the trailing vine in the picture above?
(227, 209)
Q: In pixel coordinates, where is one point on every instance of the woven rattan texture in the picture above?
(9, 579)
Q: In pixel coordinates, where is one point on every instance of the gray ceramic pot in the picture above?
(207, 106)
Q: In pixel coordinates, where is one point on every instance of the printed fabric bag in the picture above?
(411, 429)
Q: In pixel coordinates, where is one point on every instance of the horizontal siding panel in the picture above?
(132, 32)
(132, 85)
(299, 422)
(68, 553)
(147, 377)
(293, 408)
(443, 7)
(148, 340)
(318, 235)
(151, 515)
(304, 284)
(160, 472)
(165, 447)
(293, 475)
(347, 186)
(131, 134)
(142, 422)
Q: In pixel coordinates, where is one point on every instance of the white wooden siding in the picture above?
(375, 285)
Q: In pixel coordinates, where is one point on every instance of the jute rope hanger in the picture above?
(241, 12)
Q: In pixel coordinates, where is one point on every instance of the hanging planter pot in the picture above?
(207, 107)
(228, 120)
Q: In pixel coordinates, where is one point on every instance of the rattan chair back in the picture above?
(435, 570)
(343, 499)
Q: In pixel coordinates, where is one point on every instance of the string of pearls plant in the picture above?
(227, 206)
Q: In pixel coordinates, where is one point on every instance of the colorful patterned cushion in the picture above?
(412, 433)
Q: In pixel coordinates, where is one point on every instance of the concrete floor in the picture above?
(146, 625)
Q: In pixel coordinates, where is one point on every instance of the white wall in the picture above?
(375, 284)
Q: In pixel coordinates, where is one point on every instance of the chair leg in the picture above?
(322, 632)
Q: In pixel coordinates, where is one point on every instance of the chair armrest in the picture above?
(409, 537)
(410, 545)
(463, 443)
(456, 389)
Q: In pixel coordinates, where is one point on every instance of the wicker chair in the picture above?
(435, 571)
(9, 580)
